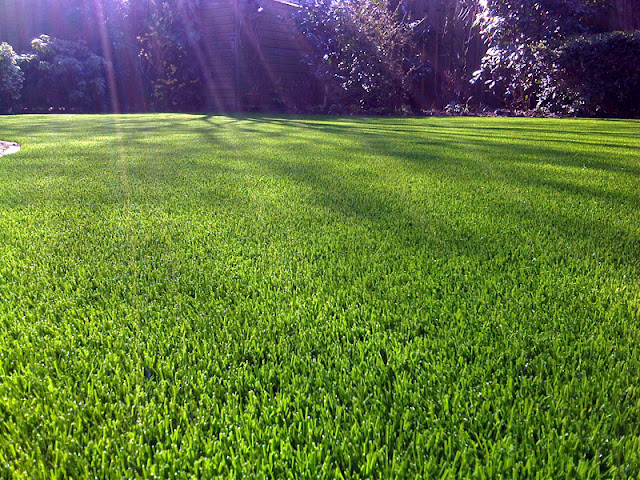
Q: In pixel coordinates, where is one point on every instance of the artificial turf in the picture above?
(193, 296)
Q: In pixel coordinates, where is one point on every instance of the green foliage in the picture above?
(527, 21)
(515, 73)
(601, 74)
(192, 296)
(63, 75)
(365, 49)
(170, 65)
(518, 35)
(11, 78)
(377, 56)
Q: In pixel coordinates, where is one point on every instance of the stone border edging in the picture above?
(7, 148)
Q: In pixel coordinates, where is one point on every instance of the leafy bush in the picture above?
(365, 53)
(520, 36)
(60, 74)
(514, 73)
(601, 74)
(11, 78)
(169, 61)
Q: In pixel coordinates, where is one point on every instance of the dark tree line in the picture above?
(145, 49)
(560, 56)
(376, 56)
(547, 56)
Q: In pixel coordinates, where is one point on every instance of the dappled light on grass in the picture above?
(367, 297)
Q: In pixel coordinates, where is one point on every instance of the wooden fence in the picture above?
(254, 52)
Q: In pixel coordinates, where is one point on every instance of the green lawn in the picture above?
(190, 296)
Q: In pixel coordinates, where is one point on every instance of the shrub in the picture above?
(515, 73)
(11, 78)
(60, 74)
(519, 36)
(169, 61)
(601, 74)
(365, 53)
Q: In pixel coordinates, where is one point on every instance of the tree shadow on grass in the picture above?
(549, 144)
(470, 161)
(314, 151)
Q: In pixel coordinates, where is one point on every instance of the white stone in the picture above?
(7, 148)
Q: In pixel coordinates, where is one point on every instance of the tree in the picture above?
(11, 78)
(169, 61)
(60, 74)
(519, 36)
(600, 74)
(364, 51)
